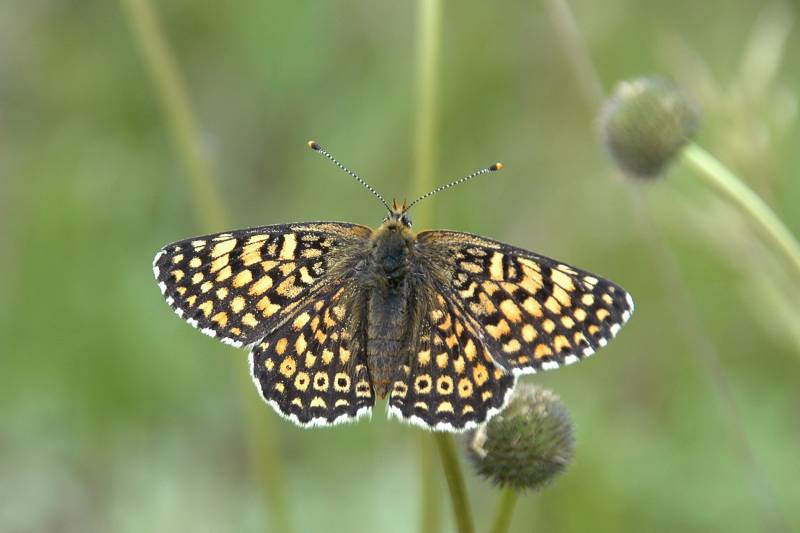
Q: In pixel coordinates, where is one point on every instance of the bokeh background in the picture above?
(117, 416)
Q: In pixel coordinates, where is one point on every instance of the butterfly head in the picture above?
(398, 215)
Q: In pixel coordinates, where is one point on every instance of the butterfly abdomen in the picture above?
(388, 305)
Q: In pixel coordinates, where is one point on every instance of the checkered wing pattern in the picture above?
(530, 311)
(238, 286)
(310, 369)
(451, 382)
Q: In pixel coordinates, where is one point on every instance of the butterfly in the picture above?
(337, 315)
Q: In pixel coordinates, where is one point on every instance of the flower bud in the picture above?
(526, 445)
(644, 123)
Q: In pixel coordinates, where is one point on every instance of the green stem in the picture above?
(735, 191)
(429, 18)
(455, 482)
(505, 509)
(171, 91)
(430, 517)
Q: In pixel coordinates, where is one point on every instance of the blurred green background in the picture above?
(117, 416)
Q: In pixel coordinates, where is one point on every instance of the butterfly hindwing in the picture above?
(310, 369)
(531, 311)
(451, 382)
(238, 285)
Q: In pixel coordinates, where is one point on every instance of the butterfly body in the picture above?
(440, 323)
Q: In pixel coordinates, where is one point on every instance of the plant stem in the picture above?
(429, 15)
(505, 509)
(455, 482)
(430, 515)
(174, 101)
(171, 91)
(736, 192)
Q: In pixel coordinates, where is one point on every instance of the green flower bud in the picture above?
(644, 123)
(526, 445)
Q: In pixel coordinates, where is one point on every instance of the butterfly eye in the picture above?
(405, 220)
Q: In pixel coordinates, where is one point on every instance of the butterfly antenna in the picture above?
(493, 168)
(317, 148)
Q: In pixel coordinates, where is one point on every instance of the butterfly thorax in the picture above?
(390, 302)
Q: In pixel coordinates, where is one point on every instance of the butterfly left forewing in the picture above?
(238, 285)
(532, 312)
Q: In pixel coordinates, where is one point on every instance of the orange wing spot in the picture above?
(560, 342)
(486, 395)
(249, 320)
(206, 307)
(465, 388)
(490, 287)
(219, 263)
(542, 350)
(497, 331)
(607, 299)
(472, 268)
(288, 367)
(242, 278)
(470, 351)
(301, 381)
(552, 305)
(177, 259)
(327, 356)
(288, 289)
(533, 307)
(441, 360)
(305, 277)
(269, 364)
(593, 330)
(262, 285)
(561, 279)
(195, 262)
(222, 293)
(268, 265)
(587, 299)
(445, 407)
(318, 402)
(480, 374)
(467, 409)
(235, 331)
(580, 314)
(512, 346)
(528, 333)
(224, 274)
(237, 304)
(602, 314)
(423, 384)
(251, 253)
(220, 318)
(511, 310)
(568, 322)
(523, 360)
(191, 300)
(451, 341)
(496, 267)
(206, 286)
(266, 307)
(344, 355)
(548, 325)
(301, 321)
(424, 357)
(197, 278)
(279, 387)
(280, 346)
(289, 245)
(562, 296)
(486, 303)
(300, 344)
(444, 385)
(458, 365)
(181, 290)
(222, 248)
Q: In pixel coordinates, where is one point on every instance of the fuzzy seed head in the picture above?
(644, 123)
(528, 444)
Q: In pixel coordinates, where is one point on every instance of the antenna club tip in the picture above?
(314, 145)
(497, 166)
